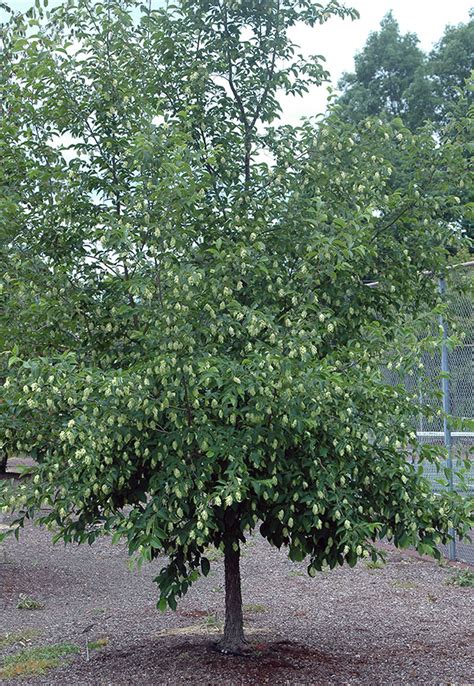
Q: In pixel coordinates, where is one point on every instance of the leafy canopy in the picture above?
(192, 348)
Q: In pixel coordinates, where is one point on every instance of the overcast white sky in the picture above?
(339, 40)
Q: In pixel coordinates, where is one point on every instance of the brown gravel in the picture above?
(396, 625)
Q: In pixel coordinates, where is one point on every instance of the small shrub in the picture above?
(26, 602)
(463, 578)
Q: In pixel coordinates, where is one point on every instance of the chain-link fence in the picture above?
(446, 383)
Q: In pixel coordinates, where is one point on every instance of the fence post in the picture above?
(447, 408)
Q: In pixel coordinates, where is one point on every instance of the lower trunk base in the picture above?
(233, 641)
(238, 648)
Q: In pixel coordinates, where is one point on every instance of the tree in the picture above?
(389, 78)
(449, 66)
(449, 69)
(393, 77)
(195, 349)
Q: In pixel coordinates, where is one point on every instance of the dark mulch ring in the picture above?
(400, 624)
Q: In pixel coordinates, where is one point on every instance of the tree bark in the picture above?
(233, 640)
(3, 463)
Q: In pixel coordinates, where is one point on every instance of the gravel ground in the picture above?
(396, 625)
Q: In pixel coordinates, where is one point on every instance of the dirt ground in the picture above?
(397, 625)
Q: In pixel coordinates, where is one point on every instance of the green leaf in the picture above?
(296, 554)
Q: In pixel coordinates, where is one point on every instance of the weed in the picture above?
(463, 578)
(211, 622)
(254, 608)
(296, 572)
(98, 643)
(26, 602)
(20, 637)
(375, 564)
(432, 597)
(35, 660)
(405, 585)
(214, 554)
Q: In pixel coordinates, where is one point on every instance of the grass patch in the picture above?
(404, 585)
(211, 622)
(463, 578)
(204, 628)
(377, 564)
(26, 602)
(18, 637)
(208, 625)
(36, 660)
(254, 608)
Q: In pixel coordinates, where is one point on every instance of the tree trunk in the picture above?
(233, 641)
(3, 463)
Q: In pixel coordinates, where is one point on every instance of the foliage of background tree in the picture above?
(449, 65)
(192, 349)
(388, 70)
(394, 77)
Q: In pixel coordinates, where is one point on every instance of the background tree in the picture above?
(196, 351)
(389, 78)
(449, 65)
(393, 76)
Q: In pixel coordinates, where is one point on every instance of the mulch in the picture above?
(397, 625)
